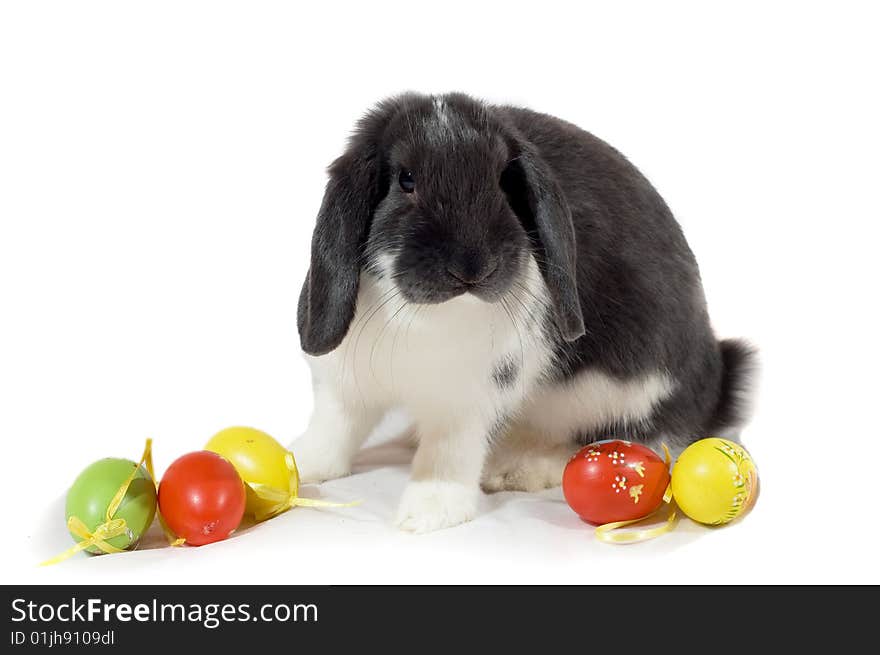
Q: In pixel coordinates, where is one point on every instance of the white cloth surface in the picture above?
(517, 537)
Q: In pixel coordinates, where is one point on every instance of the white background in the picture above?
(160, 170)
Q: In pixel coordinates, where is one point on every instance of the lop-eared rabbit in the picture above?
(518, 288)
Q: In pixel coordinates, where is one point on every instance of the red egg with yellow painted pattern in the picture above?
(614, 481)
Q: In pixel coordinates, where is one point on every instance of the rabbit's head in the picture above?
(444, 197)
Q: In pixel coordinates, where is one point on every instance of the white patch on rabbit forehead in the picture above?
(445, 126)
(440, 111)
(593, 400)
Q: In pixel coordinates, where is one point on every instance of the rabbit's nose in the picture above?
(471, 271)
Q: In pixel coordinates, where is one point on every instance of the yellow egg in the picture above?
(267, 468)
(714, 481)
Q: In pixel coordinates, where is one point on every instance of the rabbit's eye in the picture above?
(406, 180)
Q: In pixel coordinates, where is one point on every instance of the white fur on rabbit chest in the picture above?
(439, 363)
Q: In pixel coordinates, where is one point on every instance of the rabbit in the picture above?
(518, 288)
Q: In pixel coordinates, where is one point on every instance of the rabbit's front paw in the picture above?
(317, 460)
(429, 505)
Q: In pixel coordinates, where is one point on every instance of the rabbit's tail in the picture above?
(740, 369)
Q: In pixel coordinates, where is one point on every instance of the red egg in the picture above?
(201, 498)
(614, 481)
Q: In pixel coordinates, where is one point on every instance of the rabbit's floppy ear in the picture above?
(531, 184)
(329, 295)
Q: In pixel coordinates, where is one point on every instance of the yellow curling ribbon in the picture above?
(110, 527)
(606, 532)
(173, 539)
(282, 500)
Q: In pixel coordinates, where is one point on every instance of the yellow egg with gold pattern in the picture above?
(714, 481)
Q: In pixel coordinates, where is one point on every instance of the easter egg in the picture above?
(261, 462)
(93, 490)
(714, 481)
(614, 481)
(201, 498)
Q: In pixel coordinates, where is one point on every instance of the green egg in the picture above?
(94, 488)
